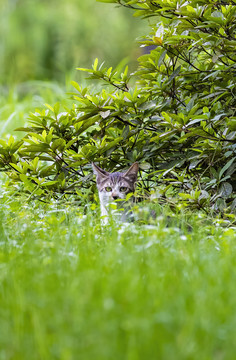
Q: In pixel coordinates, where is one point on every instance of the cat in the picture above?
(115, 186)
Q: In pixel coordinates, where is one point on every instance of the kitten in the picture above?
(114, 186)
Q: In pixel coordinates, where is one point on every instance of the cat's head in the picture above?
(117, 185)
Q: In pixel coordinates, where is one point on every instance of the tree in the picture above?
(177, 118)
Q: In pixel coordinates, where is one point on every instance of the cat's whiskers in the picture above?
(114, 187)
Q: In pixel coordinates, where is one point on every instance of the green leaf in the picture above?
(76, 86)
(3, 144)
(58, 144)
(49, 183)
(56, 109)
(49, 107)
(174, 73)
(227, 165)
(37, 148)
(16, 167)
(144, 166)
(111, 144)
(226, 189)
(70, 143)
(95, 64)
(162, 57)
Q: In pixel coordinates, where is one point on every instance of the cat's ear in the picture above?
(100, 173)
(132, 172)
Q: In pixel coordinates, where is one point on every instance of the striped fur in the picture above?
(113, 186)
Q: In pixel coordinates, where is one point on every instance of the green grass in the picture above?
(72, 290)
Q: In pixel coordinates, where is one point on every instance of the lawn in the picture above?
(71, 289)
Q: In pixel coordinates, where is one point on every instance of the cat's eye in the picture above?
(108, 189)
(123, 189)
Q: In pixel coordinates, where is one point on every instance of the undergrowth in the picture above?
(70, 288)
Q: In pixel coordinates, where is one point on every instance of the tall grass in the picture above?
(71, 289)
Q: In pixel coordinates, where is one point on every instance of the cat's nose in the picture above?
(115, 197)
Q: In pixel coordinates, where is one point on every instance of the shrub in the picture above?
(177, 118)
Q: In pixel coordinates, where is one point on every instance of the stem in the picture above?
(124, 121)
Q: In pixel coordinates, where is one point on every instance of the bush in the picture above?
(177, 118)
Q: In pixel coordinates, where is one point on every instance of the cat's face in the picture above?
(113, 186)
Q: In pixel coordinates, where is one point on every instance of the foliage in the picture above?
(70, 290)
(18, 101)
(46, 40)
(175, 114)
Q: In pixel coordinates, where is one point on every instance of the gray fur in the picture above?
(114, 186)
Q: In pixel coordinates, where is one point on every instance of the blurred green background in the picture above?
(47, 40)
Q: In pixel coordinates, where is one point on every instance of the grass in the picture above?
(70, 289)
